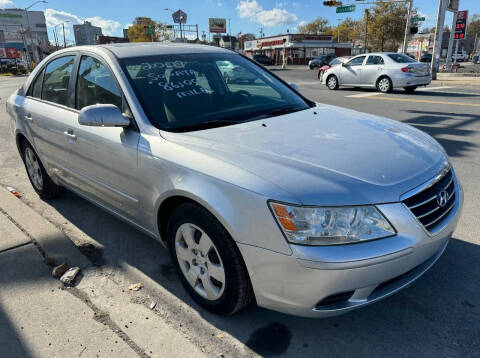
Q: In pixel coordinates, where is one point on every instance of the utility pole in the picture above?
(366, 30)
(64, 41)
(437, 47)
(407, 26)
(338, 30)
(229, 33)
(450, 41)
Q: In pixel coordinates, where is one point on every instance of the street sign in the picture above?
(349, 8)
(218, 26)
(149, 32)
(461, 25)
(418, 19)
(179, 17)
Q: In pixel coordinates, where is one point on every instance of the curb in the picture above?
(54, 245)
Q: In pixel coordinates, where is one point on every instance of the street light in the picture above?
(30, 32)
(63, 26)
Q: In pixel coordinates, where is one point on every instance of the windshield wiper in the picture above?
(277, 112)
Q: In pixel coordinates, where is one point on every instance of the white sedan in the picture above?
(384, 71)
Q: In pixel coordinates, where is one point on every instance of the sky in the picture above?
(275, 16)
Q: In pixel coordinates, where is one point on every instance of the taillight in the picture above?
(408, 69)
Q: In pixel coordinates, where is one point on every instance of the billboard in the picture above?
(217, 25)
(461, 25)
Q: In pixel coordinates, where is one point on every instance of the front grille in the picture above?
(425, 204)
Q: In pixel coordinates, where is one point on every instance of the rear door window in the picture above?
(375, 60)
(56, 79)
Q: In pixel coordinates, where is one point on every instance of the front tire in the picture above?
(384, 85)
(40, 180)
(207, 260)
(332, 82)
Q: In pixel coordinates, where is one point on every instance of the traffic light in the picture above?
(332, 3)
(414, 30)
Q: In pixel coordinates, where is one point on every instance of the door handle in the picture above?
(70, 135)
(28, 117)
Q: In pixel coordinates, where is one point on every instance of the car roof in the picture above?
(135, 49)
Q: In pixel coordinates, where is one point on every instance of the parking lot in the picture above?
(437, 316)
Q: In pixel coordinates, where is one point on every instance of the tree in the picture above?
(386, 26)
(138, 33)
(315, 27)
(349, 30)
(474, 26)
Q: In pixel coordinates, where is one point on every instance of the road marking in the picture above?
(428, 101)
(363, 95)
(433, 88)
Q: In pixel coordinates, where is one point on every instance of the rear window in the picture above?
(401, 58)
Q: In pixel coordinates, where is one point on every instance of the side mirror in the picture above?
(102, 115)
(294, 86)
(344, 64)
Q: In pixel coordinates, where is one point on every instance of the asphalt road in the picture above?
(438, 316)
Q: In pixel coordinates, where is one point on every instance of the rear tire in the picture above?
(332, 82)
(191, 228)
(410, 89)
(384, 84)
(40, 180)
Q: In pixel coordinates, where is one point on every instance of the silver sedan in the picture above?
(257, 192)
(383, 71)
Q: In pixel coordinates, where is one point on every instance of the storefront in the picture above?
(299, 48)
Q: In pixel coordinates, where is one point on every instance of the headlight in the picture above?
(331, 225)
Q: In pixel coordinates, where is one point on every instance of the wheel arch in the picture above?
(383, 75)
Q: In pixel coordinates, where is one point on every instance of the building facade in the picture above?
(24, 30)
(299, 48)
(86, 34)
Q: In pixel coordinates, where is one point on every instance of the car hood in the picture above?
(325, 155)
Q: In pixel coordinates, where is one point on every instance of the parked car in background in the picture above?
(233, 73)
(259, 194)
(427, 58)
(384, 71)
(321, 61)
(337, 61)
(460, 56)
(264, 60)
(476, 59)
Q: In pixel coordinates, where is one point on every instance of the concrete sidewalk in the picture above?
(41, 318)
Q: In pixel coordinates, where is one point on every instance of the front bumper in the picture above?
(321, 281)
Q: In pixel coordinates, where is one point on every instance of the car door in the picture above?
(373, 68)
(104, 159)
(49, 116)
(350, 74)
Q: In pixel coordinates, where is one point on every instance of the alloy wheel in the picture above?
(200, 261)
(332, 82)
(384, 85)
(33, 168)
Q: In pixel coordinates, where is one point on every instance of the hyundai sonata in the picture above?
(257, 192)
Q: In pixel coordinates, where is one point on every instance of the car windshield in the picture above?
(401, 58)
(197, 91)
